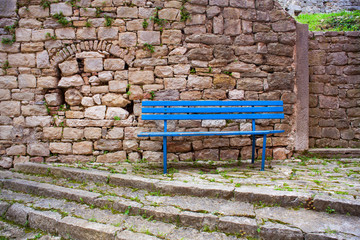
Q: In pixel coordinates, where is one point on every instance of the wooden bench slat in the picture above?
(213, 110)
(183, 134)
(212, 103)
(212, 116)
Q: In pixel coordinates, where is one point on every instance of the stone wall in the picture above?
(334, 89)
(295, 7)
(73, 81)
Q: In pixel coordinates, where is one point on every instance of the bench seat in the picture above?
(189, 134)
(212, 110)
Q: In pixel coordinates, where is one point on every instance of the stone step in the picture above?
(249, 194)
(227, 216)
(335, 152)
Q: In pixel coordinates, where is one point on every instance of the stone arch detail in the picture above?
(59, 55)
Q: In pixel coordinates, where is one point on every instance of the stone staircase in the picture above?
(91, 204)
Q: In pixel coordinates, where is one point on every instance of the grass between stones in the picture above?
(341, 21)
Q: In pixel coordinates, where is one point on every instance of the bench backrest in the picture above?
(211, 110)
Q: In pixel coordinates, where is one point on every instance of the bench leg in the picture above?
(253, 149)
(263, 154)
(165, 154)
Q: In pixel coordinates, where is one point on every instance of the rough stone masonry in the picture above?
(74, 74)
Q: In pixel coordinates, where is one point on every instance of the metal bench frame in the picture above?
(212, 110)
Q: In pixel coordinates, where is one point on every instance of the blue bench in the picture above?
(211, 110)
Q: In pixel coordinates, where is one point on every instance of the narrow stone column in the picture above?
(302, 87)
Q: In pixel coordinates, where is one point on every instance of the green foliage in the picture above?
(108, 21)
(5, 66)
(73, 3)
(7, 41)
(145, 24)
(98, 12)
(185, 15)
(192, 70)
(88, 24)
(210, 70)
(152, 93)
(228, 73)
(48, 35)
(149, 47)
(116, 118)
(45, 4)
(341, 21)
(61, 19)
(329, 210)
(159, 21)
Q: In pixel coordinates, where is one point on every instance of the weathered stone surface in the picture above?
(141, 77)
(8, 82)
(69, 68)
(47, 82)
(209, 39)
(34, 110)
(38, 121)
(73, 97)
(207, 154)
(224, 81)
(114, 64)
(38, 149)
(96, 112)
(197, 82)
(59, 147)
(4, 94)
(152, 156)
(85, 147)
(92, 133)
(171, 37)
(236, 94)
(53, 99)
(113, 112)
(52, 133)
(149, 37)
(73, 81)
(114, 100)
(127, 39)
(93, 64)
(22, 60)
(73, 133)
(66, 9)
(6, 162)
(251, 84)
(42, 59)
(108, 33)
(86, 33)
(281, 81)
(108, 145)
(10, 108)
(118, 156)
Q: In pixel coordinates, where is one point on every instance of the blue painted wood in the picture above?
(212, 116)
(187, 134)
(214, 110)
(263, 154)
(212, 103)
(165, 149)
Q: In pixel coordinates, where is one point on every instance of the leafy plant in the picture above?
(73, 3)
(108, 21)
(45, 4)
(88, 24)
(149, 47)
(117, 118)
(192, 70)
(145, 24)
(61, 19)
(98, 12)
(5, 66)
(185, 15)
(49, 36)
(159, 21)
(7, 41)
(228, 73)
(152, 94)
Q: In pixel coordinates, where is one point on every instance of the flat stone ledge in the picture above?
(335, 152)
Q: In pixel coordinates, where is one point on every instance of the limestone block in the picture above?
(281, 81)
(207, 154)
(118, 86)
(108, 33)
(213, 123)
(203, 54)
(73, 97)
(53, 99)
(328, 102)
(113, 112)
(101, 3)
(38, 149)
(7, 8)
(52, 133)
(23, 34)
(72, 81)
(73, 133)
(224, 81)
(4, 94)
(329, 132)
(47, 82)
(243, 4)
(149, 37)
(112, 157)
(232, 27)
(38, 121)
(106, 76)
(93, 64)
(130, 145)
(171, 37)
(65, 33)
(136, 92)
(96, 112)
(60, 147)
(127, 12)
(114, 100)
(151, 156)
(283, 26)
(108, 145)
(34, 110)
(41, 34)
(74, 114)
(85, 147)
(65, 8)
(127, 39)
(6, 132)
(27, 81)
(141, 77)
(22, 60)
(196, 19)
(197, 82)
(10, 108)
(87, 101)
(92, 133)
(34, 11)
(6, 162)
(215, 94)
(163, 71)
(171, 14)
(115, 133)
(86, 33)
(114, 64)
(237, 94)
(175, 83)
(42, 59)
(180, 69)
(167, 95)
(8, 82)
(136, 25)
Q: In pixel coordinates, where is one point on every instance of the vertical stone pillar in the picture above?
(302, 87)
